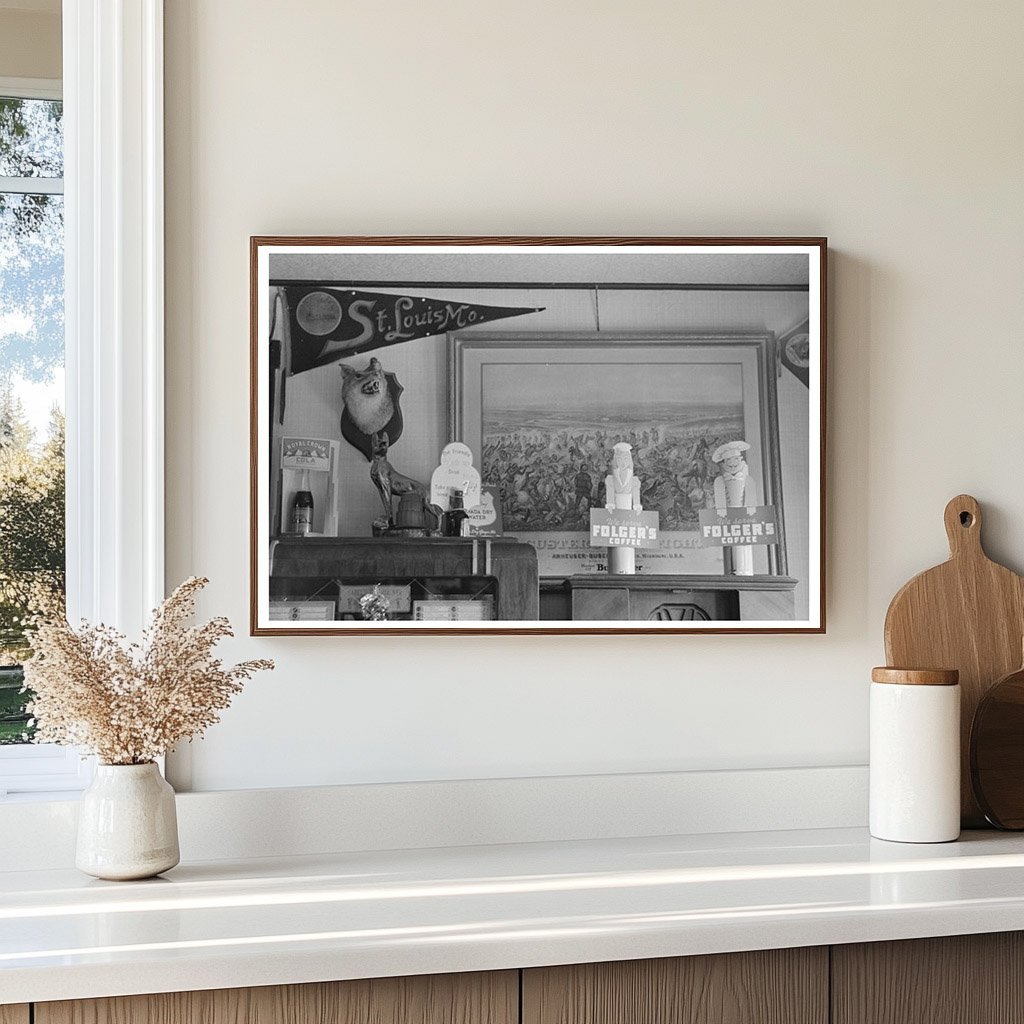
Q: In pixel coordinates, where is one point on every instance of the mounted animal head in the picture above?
(372, 406)
(367, 396)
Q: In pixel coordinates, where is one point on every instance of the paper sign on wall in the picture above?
(312, 453)
(456, 473)
(484, 520)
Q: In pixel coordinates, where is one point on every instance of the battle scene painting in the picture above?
(547, 430)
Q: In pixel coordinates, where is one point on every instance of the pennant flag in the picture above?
(329, 324)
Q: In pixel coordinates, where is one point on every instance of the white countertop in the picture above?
(226, 924)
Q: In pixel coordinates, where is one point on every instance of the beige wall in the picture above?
(29, 45)
(892, 128)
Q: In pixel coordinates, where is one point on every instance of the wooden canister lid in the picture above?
(916, 676)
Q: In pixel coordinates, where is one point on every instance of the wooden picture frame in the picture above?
(428, 313)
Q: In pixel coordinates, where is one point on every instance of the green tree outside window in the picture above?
(31, 355)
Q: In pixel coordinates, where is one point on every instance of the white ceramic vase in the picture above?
(127, 825)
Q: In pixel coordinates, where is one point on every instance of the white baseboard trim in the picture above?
(255, 823)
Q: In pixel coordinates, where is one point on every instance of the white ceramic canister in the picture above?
(915, 755)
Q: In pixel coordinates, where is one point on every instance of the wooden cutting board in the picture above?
(967, 614)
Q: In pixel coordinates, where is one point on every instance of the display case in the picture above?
(442, 579)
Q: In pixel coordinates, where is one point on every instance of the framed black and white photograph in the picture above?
(537, 435)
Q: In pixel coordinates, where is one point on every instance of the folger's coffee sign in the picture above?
(623, 528)
(329, 324)
(738, 526)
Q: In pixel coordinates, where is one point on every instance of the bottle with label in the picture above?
(456, 514)
(302, 507)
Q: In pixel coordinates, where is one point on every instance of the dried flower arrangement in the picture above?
(130, 703)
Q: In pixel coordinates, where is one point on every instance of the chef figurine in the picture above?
(735, 489)
(622, 491)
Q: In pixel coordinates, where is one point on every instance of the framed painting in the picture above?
(537, 435)
(543, 412)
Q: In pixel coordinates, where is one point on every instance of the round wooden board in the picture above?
(997, 752)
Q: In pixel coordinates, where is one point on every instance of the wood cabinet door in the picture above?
(778, 986)
(14, 1014)
(963, 979)
(491, 998)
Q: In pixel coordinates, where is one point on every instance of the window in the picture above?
(32, 532)
(113, 331)
(31, 380)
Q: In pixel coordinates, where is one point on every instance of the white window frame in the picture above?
(31, 89)
(114, 335)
